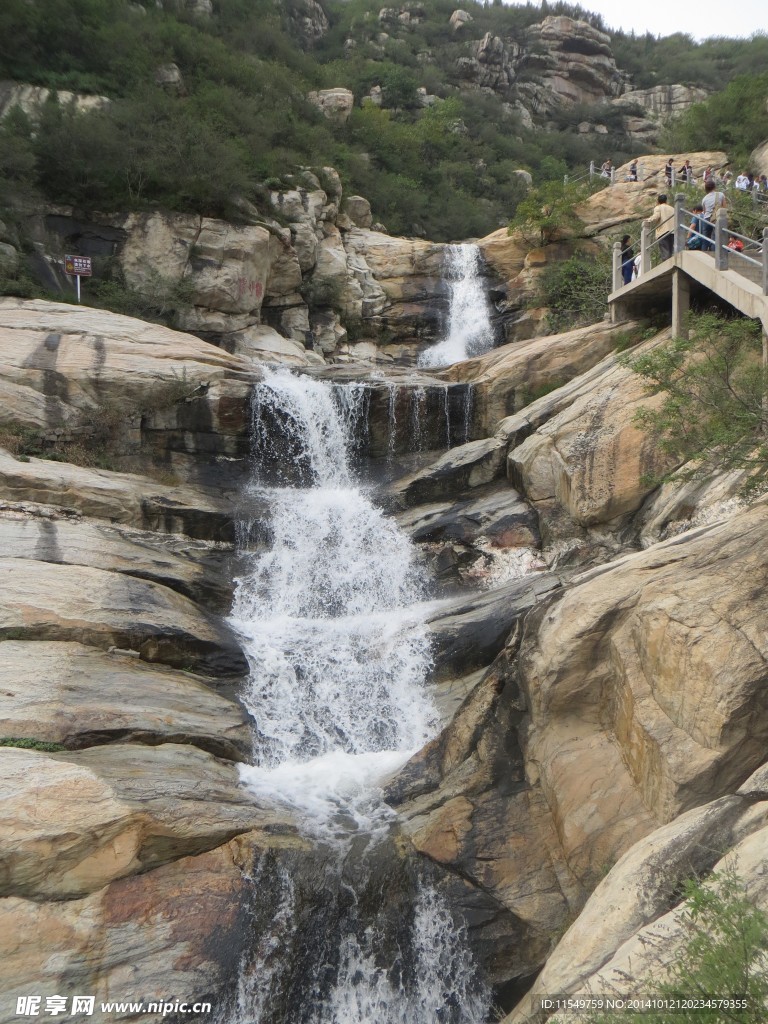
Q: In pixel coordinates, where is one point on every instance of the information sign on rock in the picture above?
(78, 266)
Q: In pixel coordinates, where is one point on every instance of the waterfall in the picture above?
(332, 619)
(469, 318)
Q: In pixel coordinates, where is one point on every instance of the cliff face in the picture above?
(309, 287)
(602, 709)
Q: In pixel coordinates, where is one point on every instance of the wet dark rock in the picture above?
(469, 632)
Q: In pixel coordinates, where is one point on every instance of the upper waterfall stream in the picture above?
(469, 318)
(332, 617)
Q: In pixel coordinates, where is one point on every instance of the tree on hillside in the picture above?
(732, 120)
(714, 385)
(547, 211)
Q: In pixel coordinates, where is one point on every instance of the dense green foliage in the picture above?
(714, 388)
(733, 120)
(664, 60)
(724, 953)
(242, 115)
(576, 291)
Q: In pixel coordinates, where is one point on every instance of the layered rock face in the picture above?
(622, 722)
(574, 62)
(122, 814)
(285, 292)
(604, 721)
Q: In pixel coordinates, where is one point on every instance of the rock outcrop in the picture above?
(31, 98)
(336, 104)
(606, 721)
(626, 936)
(758, 159)
(508, 378)
(573, 62)
(663, 101)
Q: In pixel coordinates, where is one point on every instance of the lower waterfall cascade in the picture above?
(470, 332)
(332, 619)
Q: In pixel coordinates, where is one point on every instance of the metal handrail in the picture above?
(681, 233)
(744, 238)
(743, 256)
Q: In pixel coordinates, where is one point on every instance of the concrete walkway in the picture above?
(674, 278)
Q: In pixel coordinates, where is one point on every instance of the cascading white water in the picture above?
(331, 617)
(469, 317)
(333, 625)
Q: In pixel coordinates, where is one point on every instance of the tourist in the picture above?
(627, 259)
(663, 219)
(632, 176)
(708, 173)
(742, 182)
(711, 203)
(686, 173)
(726, 179)
(668, 168)
(605, 170)
(697, 229)
(762, 183)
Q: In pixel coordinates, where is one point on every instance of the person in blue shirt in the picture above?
(627, 259)
(698, 223)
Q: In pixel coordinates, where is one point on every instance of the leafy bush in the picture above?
(576, 291)
(547, 211)
(28, 744)
(724, 954)
(714, 386)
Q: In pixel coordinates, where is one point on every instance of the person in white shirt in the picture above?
(742, 182)
(710, 204)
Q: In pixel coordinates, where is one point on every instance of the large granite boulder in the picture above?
(75, 822)
(592, 458)
(663, 101)
(509, 377)
(124, 498)
(336, 104)
(80, 696)
(45, 601)
(636, 893)
(758, 159)
(633, 697)
(177, 930)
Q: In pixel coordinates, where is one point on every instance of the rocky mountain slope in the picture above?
(605, 727)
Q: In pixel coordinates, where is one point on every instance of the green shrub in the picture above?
(29, 744)
(576, 291)
(724, 954)
(714, 387)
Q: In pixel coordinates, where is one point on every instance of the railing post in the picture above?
(754, 194)
(645, 250)
(613, 175)
(673, 180)
(565, 179)
(591, 168)
(680, 229)
(765, 261)
(721, 254)
(618, 280)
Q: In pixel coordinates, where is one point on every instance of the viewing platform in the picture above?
(739, 278)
